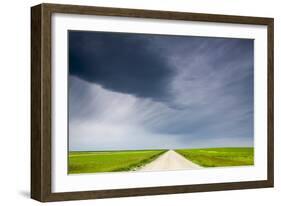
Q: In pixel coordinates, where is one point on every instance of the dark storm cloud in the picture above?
(140, 64)
(120, 62)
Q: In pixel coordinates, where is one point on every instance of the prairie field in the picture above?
(220, 157)
(131, 160)
(109, 161)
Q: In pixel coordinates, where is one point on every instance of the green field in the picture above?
(109, 161)
(220, 157)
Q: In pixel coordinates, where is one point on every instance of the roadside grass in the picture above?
(109, 161)
(220, 157)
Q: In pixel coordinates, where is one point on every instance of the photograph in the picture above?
(155, 102)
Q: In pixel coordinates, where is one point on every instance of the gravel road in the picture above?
(170, 160)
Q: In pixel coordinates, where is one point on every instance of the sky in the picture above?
(148, 91)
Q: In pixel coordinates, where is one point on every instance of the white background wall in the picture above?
(15, 102)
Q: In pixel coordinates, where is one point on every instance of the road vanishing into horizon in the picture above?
(170, 160)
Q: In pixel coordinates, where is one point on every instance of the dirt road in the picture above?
(170, 160)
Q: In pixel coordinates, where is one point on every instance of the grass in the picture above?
(220, 157)
(109, 161)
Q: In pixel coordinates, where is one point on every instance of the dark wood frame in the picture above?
(41, 102)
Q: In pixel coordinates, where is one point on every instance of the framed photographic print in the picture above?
(130, 102)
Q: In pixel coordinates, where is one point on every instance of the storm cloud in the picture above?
(120, 62)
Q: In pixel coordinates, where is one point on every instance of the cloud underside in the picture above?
(129, 91)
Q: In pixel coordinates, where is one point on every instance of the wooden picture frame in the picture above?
(41, 98)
